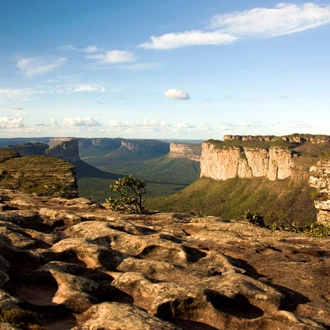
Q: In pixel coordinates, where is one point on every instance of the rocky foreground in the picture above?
(76, 265)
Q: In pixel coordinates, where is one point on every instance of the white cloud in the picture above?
(139, 66)
(35, 66)
(88, 88)
(53, 122)
(89, 49)
(188, 38)
(285, 18)
(9, 93)
(17, 108)
(183, 125)
(9, 123)
(176, 94)
(113, 57)
(77, 122)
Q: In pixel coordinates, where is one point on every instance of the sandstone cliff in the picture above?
(222, 164)
(190, 151)
(145, 145)
(275, 158)
(320, 179)
(73, 264)
(64, 148)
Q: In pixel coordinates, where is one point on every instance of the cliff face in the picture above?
(222, 164)
(145, 145)
(100, 142)
(64, 148)
(320, 179)
(186, 150)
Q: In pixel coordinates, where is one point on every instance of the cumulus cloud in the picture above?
(188, 38)
(176, 94)
(78, 122)
(285, 18)
(113, 57)
(89, 49)
(10, 123)
(35, 66)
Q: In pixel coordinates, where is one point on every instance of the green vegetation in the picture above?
(164, 176)
(131, 191)
(42, 175)
(315, 229)
(231, 198)
(22, 319)
(280, 143)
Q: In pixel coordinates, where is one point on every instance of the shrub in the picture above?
(131, 191)
(317, 229)
(254, 217)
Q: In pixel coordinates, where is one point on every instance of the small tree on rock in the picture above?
(131, 191)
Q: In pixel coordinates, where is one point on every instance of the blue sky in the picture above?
(174, 69)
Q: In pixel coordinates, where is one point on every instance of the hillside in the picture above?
(266, 174)
(290, 201)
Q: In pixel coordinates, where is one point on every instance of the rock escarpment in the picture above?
(64, 148)
(244, 162)
(320, 179)
(275, 158)
(190, 151)
(77, 265)
(145, 145)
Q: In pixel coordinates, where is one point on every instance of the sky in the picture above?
(174, 69)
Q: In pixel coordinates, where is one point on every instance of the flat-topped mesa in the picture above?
(145, 145)
(64, 148)
(107, 143)
(320, 179)
(192, 151)
(28, 148)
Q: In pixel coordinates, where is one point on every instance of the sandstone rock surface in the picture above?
(77, 265)
(320, 179)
